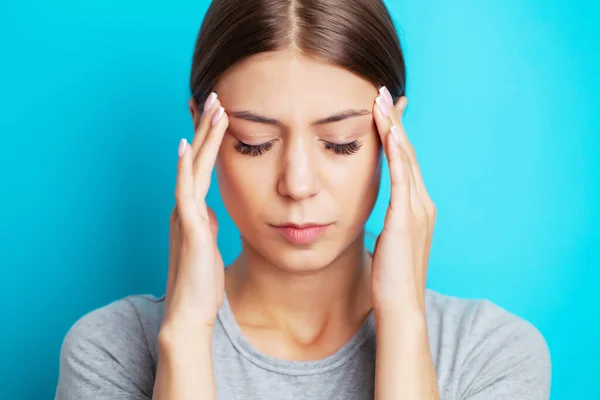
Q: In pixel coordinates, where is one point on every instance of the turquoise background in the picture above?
(503, 115)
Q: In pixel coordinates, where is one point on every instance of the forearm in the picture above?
(185, 369)
(404, 366)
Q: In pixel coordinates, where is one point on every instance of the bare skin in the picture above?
(303, 316)
(282, 159)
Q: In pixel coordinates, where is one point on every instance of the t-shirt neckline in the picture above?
(289, 367)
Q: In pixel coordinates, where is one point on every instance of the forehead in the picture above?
(287, 85)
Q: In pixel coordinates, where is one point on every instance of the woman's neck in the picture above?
(335, 298)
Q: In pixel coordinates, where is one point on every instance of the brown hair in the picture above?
(357, 35)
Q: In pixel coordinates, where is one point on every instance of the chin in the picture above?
(288, 256)
(305, 260)
(296, 259)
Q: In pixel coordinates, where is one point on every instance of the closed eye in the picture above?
(253, 150)
(344, 149)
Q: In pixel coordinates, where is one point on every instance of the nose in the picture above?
(299, 175)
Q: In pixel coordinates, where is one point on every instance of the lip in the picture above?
(301, 234)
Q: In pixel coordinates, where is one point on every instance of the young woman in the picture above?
(310, 97)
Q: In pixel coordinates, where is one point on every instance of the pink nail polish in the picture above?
(182, 147)
(380, 103)
(210, 101)
(217, 116)
(387, 96)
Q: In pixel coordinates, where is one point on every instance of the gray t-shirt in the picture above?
(480, 352)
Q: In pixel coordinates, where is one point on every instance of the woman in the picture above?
(310, 96)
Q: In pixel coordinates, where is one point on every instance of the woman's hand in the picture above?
(404, 367)
(401, 253)
(196, 272)
(195, 285)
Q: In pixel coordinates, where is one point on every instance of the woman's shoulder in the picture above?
(136, 313)
(475, 315)
(130, 319)
(477, 343)
(112, 348)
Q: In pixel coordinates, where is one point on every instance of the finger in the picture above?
(400, 197)
(425, 207)
(182, 195)
(184, 189)
(396, 118)
(382, 112)
(174, 240)
(385, 114)
(207, 155)
(431, 230)
(210, 105)
(396, 111)
(391, 117)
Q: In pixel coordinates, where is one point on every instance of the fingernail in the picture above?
(395, 134)
(217, 116)
(387, 96)
(380, 103)
(182, 147)
(210, 101)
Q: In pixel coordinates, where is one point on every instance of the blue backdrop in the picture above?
(503, 115)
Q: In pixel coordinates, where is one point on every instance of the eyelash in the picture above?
(345, 149)
(253, 151)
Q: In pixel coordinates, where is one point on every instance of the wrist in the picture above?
(400, 307)
(185, 366)
(179, 337)
(400, 315)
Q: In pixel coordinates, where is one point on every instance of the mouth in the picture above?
(301, 234)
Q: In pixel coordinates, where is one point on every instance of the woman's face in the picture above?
(301, 150)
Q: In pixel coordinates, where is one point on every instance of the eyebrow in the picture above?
(340, 116)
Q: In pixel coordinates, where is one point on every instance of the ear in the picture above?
(401, 106)
(195, 112)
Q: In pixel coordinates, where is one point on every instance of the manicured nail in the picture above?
(380, 103)
(182, 147)
(387, 96)
(395, 134)
(210, 101)
(217, 116)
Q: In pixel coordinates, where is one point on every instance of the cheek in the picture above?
(231, 178)
(238, 183)
(355, 183)
(358, 172)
